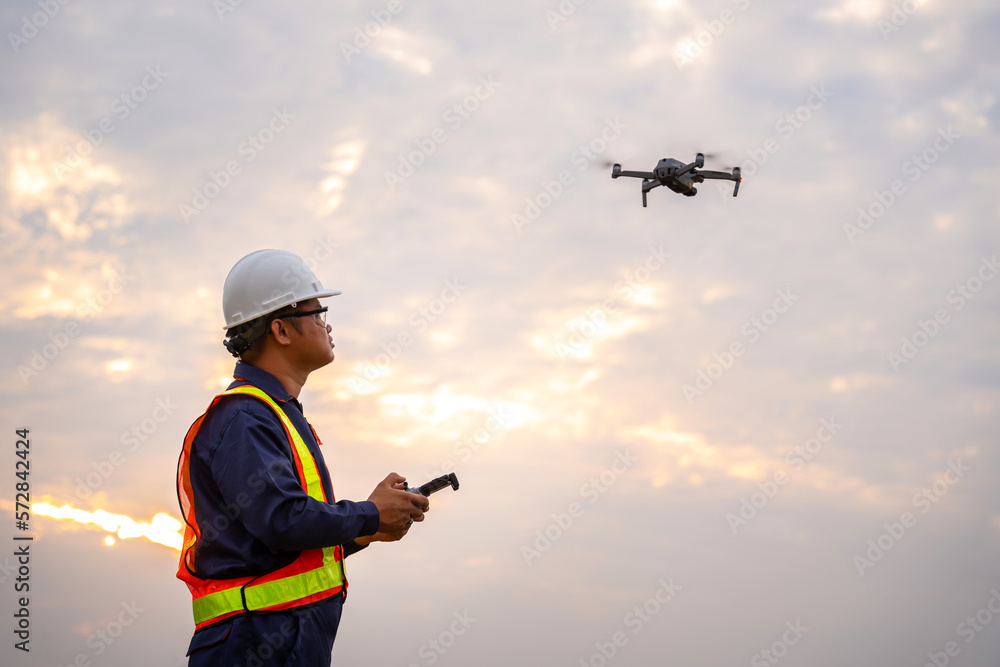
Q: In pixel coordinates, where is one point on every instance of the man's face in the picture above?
(314, 346)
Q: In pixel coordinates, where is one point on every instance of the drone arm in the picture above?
(648, 185)
(698, 163)
(737, 176)
(685, 169)
(721, 175)
(635, 174)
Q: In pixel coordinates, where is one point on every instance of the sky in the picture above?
(713, 431)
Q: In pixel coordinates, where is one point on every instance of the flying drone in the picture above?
(678, 176)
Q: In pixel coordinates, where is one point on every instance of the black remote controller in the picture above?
(436, 484)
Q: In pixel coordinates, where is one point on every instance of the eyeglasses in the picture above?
(319, 312)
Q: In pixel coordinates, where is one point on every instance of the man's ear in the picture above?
(280, 332)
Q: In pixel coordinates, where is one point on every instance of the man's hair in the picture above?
(257, 345)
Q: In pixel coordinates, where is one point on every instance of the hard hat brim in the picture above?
(322, 294)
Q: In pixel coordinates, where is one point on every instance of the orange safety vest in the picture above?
(315, 575)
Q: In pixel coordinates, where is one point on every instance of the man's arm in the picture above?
(252, 468)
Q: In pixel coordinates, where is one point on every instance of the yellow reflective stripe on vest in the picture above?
(313, 487)
(272, 593)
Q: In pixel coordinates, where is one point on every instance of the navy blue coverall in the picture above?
(255, 518)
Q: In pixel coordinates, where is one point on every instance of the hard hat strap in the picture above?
(241, 342)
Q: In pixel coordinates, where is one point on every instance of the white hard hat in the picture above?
(265, 281)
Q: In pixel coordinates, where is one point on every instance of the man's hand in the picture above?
(397, 509)
(365, 540)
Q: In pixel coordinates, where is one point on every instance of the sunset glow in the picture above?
(163, 529)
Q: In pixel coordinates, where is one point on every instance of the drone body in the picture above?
(678, 176)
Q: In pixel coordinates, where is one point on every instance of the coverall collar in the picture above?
(264, 380)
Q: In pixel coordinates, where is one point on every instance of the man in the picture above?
(265, 538)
